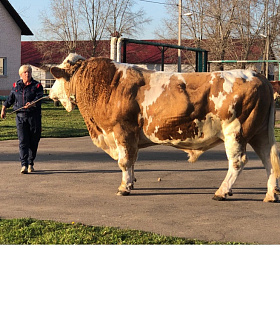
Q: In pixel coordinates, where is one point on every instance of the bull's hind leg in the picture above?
(266, 151)
(236, 154)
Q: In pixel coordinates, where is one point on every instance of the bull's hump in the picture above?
(123, 68)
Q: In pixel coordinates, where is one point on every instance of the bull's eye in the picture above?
(73, 98)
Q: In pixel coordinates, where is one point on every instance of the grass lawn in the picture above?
(277, 131)
(32, 231)
(56, 123)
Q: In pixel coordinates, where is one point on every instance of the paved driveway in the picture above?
(75, 181)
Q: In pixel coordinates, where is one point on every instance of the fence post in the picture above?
(119, 50)
(205, 61)
(113, 53)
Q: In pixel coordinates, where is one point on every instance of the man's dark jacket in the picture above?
(21, 94)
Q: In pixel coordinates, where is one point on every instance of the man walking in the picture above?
(28, 116)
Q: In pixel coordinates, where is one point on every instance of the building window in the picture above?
(3, 66)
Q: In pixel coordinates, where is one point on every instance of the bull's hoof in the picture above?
(218, 198)
(276, 190)
(230, 193)
(132, 184)
(123, 193)
(271, 197)
(271, 200)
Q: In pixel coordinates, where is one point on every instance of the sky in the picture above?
(29, 10)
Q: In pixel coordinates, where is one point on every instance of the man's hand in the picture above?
(27, 105)
(3, 112)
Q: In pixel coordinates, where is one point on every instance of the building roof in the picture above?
(39, 53)
(25, 31)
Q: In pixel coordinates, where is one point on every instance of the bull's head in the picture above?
(62, 89)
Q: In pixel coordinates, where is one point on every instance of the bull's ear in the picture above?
(60, 73)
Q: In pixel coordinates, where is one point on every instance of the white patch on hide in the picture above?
(230, 131)
(180, 77)
(231, 106)
(57, 92)
(230, 77)
(107, 143)
(158, 82)
(208, 128)
(213, 76)
(218, 101)
(121, 151)
(150, 120)
(122, 67)
(140, 117)
(127, 177)
(231, 127)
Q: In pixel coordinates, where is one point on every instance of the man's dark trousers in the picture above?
(29, 134)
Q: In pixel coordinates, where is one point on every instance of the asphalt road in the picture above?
(77, 182)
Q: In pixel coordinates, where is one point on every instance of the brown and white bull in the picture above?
(126, 108)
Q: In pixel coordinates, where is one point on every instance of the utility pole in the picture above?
(267, 51)
(179, 33)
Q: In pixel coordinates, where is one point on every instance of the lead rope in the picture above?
(31, 104)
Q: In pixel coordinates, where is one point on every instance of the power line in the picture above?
(194, 11)
(157, 2)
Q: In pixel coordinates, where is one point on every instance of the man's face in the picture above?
(26, 76)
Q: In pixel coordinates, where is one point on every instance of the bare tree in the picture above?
(95, 14)
(124, 20)
(93, 20)
(221, 23)
(257, 24)
(271, 23)
(63, 23)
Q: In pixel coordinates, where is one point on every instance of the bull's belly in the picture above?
(110, 145)
(182, 133)
(196, 143)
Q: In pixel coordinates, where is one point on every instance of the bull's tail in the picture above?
(274, 157)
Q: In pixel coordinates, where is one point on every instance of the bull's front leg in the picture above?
(126, 161)
(127, 181)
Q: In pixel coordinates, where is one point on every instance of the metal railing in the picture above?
(248, 61)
